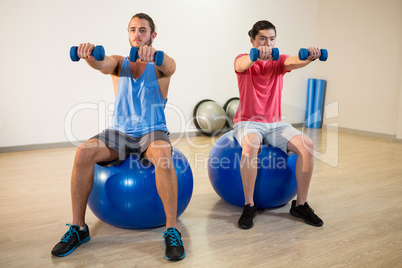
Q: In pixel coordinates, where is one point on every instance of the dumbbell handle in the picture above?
(303, 54)
(98, 53)
(158, 58)
(255, 54)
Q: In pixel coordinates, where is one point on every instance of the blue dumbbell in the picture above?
(303, 54)
(159, 56)
(255, 54)
(98, 53)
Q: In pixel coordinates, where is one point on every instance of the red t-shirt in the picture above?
(260, 89)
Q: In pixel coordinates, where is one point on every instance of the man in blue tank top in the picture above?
(138, 126)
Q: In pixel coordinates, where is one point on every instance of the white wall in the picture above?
(364, 38)
(41, 87)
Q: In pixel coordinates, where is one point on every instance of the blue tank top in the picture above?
(139, 105)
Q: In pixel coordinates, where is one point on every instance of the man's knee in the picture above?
(88, 151)
(160, 152)
(307, 143)
(303, 145)
(251, 145)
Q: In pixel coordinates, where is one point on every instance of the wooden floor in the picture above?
(356, 190)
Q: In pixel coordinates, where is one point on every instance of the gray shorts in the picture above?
(275, 134)
(126, 145)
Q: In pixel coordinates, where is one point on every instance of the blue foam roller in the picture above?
(318, 103)
(310, 101)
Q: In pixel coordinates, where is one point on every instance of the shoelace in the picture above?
(174, 237)
(69, 234)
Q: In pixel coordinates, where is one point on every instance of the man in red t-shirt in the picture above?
(258, 120)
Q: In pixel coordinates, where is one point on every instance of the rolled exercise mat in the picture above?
(319, 97)
(310, 101)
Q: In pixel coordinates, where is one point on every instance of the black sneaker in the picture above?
(246, 218)
(174, 245)
(71, 240)
(306, 213)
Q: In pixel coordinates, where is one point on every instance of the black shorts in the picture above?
(126, 145)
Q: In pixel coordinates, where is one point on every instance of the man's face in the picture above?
(264, 38)
(139, 33)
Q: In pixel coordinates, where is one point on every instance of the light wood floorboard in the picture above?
(356, 190)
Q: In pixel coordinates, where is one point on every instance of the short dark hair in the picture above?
(261, 25)
(146, 17)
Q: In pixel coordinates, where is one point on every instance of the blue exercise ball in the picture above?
(276, 180)
(125, 196)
